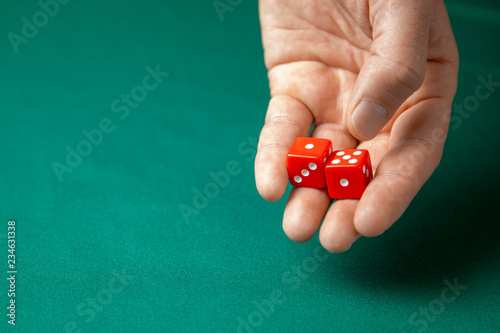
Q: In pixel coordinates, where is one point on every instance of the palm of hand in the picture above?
(323, 59)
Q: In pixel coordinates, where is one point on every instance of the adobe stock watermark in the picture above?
(425, 315)
(219, 180)
(48, 9)
(89, 309)
(223, 6)
(292, 279)
(121, 107)
(460, 111)
(471, 103)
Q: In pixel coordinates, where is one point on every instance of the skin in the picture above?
(323, 59)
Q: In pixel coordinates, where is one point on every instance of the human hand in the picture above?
(377, 75)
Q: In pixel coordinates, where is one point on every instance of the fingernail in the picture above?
(368, 119)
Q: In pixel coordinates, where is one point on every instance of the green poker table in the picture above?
(128, 204)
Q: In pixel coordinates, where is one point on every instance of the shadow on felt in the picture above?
(444, 234)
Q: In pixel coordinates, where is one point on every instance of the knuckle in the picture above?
(409, 76)
(267, 144)
(283, 119)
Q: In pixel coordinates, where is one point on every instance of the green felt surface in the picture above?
(118, 210)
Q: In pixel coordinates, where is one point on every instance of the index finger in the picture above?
(287, 118)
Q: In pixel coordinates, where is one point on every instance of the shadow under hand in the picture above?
(450, 229)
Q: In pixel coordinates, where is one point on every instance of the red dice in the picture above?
(306, 162)
(348, 173)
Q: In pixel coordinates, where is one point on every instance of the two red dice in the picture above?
(346, 173)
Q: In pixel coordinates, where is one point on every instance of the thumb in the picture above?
(396, 65)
